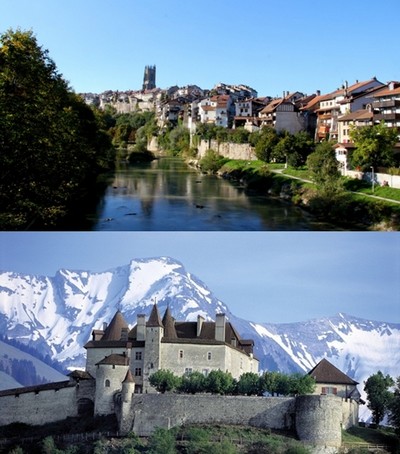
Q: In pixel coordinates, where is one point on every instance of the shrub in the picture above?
(162, 441)
(212, 161)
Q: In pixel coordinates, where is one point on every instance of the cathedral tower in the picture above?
(149, 78)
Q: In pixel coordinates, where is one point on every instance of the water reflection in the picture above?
(167, 195)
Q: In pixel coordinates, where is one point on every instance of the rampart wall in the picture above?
(38, 408)
(317, 419)
(149, 411)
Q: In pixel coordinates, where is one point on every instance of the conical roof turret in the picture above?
(154, 319)
(114, 330)
(169, 325)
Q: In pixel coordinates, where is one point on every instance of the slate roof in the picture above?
(154, 319)
(325, 372)
(169, 325)
(115, 359)
(37, 388)
(129, 377)
(113, 331)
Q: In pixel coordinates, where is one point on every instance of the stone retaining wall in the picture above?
(316, 419)
(227, 149)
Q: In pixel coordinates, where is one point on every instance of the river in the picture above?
(167, 195)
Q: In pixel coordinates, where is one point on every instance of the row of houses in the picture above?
(324, 116)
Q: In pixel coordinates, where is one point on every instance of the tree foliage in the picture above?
(51, 142)
(323, 166)
(374, 146)
(164, 380)
(394, 407)
(378, 395)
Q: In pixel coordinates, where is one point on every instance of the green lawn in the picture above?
(361, 435)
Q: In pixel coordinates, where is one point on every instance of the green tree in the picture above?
(378, 395)
(301, 384)
(52, 144)
(192, 383)
(324, 166)
(293, 148)
(265, 142)
(394, 407)
(219, 382)
(269, 382)
(249, 383)
(374, 146)
(164, 380)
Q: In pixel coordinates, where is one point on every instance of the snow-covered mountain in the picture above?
(57, 314)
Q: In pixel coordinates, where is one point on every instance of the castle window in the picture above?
(138, 372)
(205, 372)
(329, 390)
(209, 356)
(151, 365)
(188, 370)
(107, 383)
(138, 356)
(180, 354)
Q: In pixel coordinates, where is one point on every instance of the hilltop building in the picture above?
(149, 78)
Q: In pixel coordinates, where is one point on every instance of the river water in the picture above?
(167, 195)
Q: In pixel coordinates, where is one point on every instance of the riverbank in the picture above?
(346, 209)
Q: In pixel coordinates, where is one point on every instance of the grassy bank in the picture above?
(346, 209)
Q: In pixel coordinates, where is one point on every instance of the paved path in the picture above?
(353, 192)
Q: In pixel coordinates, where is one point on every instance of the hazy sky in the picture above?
(261, 276)
(271, 45)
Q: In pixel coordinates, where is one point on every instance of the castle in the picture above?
(116, 381)
(181, 347)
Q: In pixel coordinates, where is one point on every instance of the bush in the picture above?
(162, 441)
(212, 161)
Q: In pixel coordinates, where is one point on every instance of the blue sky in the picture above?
(271, 45)
(267, 277)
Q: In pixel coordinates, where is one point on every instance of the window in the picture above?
(138, 356)
(188, 370)
(205, 372)
(138, 372)
(329, 390)
(180, 354)
(209, 356)
(107, 383)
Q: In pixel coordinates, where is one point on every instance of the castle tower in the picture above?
(149, 78)
(152, 353)
(110, 373)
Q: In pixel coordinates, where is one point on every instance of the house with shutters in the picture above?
(330, 380)
(117, 352)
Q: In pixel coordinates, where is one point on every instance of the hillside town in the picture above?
(325, 116)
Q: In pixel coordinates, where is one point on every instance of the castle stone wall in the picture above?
(39, 407)
(227, 150)
(149, 411)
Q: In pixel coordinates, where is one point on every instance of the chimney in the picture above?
(318, 92)
(105, 324)
(220, 327)
(200, 321)
(141, 327)
(124, 334)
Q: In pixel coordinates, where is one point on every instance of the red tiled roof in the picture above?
(361, 114)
